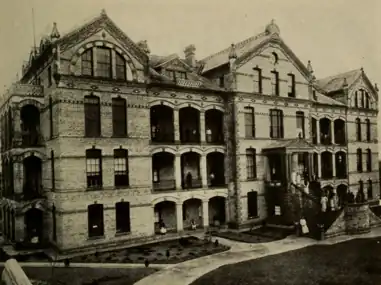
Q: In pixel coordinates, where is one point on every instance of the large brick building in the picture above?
(102, 140)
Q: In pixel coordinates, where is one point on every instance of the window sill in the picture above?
(94, 189)
(253, 218)
(96, 237)
(119, 136)
(122, 234)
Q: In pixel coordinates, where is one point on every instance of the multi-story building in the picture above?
(102, 141)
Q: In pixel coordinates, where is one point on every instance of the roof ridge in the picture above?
(237, 45)
(339, 74)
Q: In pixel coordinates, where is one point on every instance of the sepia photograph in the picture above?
(179, 142)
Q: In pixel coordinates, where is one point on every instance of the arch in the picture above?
(190, 105)
(32, 102)
(34, 220)
(161, 150)
(219, 149)
(217, 194)
(35, 153)
(161, 102)
(194, 196)
(164, 199)
(213, 107)
(190, 149)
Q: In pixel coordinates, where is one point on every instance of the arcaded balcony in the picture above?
(325, 131)
(339, 127)
(216, 169)
(190, 170)
(326, 165)
(189, 119)
(162, 124)
(30, 126)
(341, 165)
(163, 171)
(214, 126)
(165, 216)
(32, 187)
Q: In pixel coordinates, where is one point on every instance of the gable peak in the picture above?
(103, 12)
(272, 28)
(55, 34)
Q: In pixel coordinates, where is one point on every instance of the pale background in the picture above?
(336, 35)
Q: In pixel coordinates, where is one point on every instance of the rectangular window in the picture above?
(368, 130)
(370, 189)
(92, 116)
(120, 67)
(356, 99)
(251, 164)
(359, 160)
(275, 82)
(362, 99)
(181, 75)
(367, 100)
(276, 123)
(94, 168)
(252, 204)
(358, 130)
(87, 63)
(95, 220)
(119, 117)
(369, 160)
(51, 117)
(291, 85)
(249, 122)
(122, 216)
(314, 130)
(121, 177)
(257, 80)
(300, 124)
(104, 69)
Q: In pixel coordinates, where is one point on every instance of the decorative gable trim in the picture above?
(366, 80)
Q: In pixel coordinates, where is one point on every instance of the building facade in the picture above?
(103, 142)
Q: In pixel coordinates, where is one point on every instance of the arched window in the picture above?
(356, 100)
(358, 129)
(120, 65)
(87, 63)
(92, 116)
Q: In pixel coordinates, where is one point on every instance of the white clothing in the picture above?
(293, 177)
(163, 230)
(303, 224)
(324, 201)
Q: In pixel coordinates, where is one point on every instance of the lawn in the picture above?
(259, 235)
(170, 252)
(87, 276)
(353, 262)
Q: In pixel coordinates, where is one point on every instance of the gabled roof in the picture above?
(320, 98)
(222, 57)
(336, 82)
(93, 26)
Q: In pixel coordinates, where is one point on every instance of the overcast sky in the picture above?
(336, 35)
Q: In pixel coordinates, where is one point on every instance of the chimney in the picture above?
(190, 57)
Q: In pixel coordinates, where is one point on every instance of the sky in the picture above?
(336, 35)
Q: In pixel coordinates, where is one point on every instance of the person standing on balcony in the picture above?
(208, 135)
(189, 179)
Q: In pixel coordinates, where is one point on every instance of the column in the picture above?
(332, 132)
(202, 126)
(178, 171)
(319, 165)
(310, 166)
(227, 210)
(176, 124)
(318, 131)
(204, 173)
(17, 137)
(179, 217)
(333, 165)
(205, 213)
(294, 164)
(18, 177)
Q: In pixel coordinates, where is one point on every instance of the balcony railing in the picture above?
(325, 139)
(164, 185)
(192, 184)
(30, 139)
(162, 137)
(190, 138)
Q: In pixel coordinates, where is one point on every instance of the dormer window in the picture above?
(291, 85)
(181, 75)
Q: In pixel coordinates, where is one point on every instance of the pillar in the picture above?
(18, 176)
(17, 137)
(332, 132)
(179, 217)
(318, 131)
(333, 165)
(205, 213)
(178, 176)
(19, 228)
(294, 164)
(227, 210)
(310, 165)
(204, 173)
(202, 126)
(176, 124)
(319, 165)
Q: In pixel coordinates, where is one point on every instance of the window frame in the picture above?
(122, 224)
(119, 117)
(94, 176)
(275, 83)
(359, 161)
(249, 114)
(92, 108)
(97, 221)
(257, 80)
(300, 119)
(291, 86)
(87, 62)
(251, 164)
(277, 129)
(358, 130)
(120, 67)
(104, 64)
(121, 168)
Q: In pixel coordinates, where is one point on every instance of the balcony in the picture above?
(192, 184)
(164, 185)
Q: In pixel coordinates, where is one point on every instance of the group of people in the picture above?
(163, 228)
